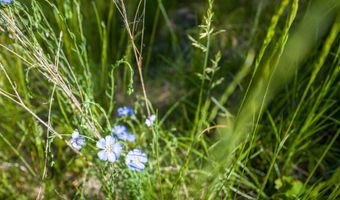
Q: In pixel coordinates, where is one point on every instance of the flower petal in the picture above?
(136, 152)
(102, 155)
(122, 136)
(75, 145)
(126, 110)
(130, 111)
(148, 122)
(118, 130)
(111, 157)
(75, 133)
(101, 143)
(135, 160)
(131, 137)
(6, 1)
(117, 149)
(136, 166)
(152, 118)
(109, 140)
(143, 158)
(80, 141)
(120, 112)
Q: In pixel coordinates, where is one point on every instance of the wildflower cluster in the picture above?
(122, 133)
(111, 147)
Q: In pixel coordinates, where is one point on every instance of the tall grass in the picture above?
(246, 96)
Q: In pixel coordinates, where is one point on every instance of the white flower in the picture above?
(149, 121)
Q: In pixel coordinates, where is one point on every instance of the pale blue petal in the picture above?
(152, 118)
(117, 149)
(121, 136)
(122, 111)
(143, 158)
(101, 143)
(111, 157)
(148, 122)
(75, 145)
(75, 133)
(102, 155)
(135, 160)
(6, 1)
(136, 152)
(109, 140)
(80, 140)
(118, 130)
(131, 137)
(136, 166)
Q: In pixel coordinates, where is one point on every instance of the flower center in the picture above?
(109, 148)
(136, 159)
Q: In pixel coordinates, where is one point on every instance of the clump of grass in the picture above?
(251, 109)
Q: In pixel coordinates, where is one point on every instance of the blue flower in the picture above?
(126, 110)
(127, 137)
(136, 159)
(119, 129)
(122, 134)
(110, 149)
(6, 1)
(149, 121)
(77, 140)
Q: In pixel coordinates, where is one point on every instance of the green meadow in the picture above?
(170, 99)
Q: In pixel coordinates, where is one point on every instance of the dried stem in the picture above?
(48, 69)
(138, 53)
